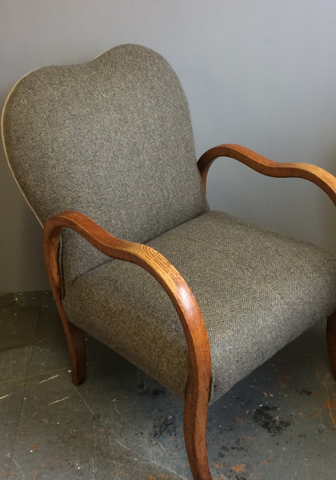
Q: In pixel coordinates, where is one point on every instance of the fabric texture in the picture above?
(110, 138)
(257, 291)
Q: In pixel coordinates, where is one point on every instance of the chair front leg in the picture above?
(195, 420)
(331, 341)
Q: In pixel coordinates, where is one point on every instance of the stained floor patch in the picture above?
(268, 418)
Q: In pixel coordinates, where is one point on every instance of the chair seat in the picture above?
(257, 291)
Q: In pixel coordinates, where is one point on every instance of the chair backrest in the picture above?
(110, 138)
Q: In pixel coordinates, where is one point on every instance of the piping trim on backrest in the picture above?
(4, 144)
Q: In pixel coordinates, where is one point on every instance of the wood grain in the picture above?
(263, 165)
(198, 388)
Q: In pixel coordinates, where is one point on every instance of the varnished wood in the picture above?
(194, 422)
(331, 342)
(197, 396)
(74, 335)
(263, 165)
(77, 354)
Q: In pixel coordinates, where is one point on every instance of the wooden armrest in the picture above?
(152, 261)
(263, 165)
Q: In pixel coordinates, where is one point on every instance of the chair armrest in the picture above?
(157, 265)
(263, 165)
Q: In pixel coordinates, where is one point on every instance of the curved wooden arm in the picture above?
(263, 165)
(198, 387)
(157, 265)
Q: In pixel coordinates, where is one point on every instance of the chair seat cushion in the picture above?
(257, 291)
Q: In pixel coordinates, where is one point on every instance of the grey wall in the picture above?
(259, 73)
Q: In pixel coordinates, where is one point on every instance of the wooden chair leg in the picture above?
(74, 335)
(195, 418)
(76, 344)
(331, 341)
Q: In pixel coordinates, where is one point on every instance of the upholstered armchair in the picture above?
(103, 153)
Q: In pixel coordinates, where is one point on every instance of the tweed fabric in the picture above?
(110, 138)
(257, 291)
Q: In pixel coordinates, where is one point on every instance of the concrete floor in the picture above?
(278, 423)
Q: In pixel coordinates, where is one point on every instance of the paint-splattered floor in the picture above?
(279, 423)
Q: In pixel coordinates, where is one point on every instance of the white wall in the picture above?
(259, 73)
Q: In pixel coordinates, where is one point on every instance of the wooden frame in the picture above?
(199, 380)
(198, 388)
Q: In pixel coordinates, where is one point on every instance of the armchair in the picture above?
(103, 153)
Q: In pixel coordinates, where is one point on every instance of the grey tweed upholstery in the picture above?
(110, 138)
(257, 291)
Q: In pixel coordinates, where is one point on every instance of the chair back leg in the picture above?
(76, 343)
(331, 341)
